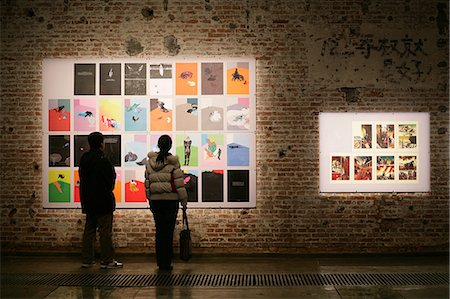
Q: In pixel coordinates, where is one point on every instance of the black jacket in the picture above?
(97, 179)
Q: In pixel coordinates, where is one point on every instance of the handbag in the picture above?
(185, 240)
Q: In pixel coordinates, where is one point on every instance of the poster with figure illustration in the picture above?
(161, 114)
(407, 166)
(206, 105)
(238, 114)
(212, 78)
(213, 150)
(187, 146)
(135, 185)
(59, 186)
(110, 115)
(238, 149)
(186, 78)
(135, 79)
(363, 168)
(59, 151)
(59, 115)
(110, 79)
(187, 114)
(85, 115)
(385, 168)
(362, 135)
(161, 81)
(340, 168)
(407, 135)
(135, 114)
(238, 79)
(135, 152)
(385, 136)
(212, 114)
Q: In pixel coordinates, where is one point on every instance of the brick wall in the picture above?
(312, 56)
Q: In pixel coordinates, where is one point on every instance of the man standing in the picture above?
(97, 179)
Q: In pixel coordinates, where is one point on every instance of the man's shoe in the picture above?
(88, 265)
(112, 265)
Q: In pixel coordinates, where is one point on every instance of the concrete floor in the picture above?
(264, 264)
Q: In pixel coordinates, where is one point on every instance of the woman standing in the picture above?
(164, 184)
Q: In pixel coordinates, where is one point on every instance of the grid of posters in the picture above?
(374, 152)
(207, 107)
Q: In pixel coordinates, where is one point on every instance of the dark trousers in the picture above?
(104, 224)
(165, 215)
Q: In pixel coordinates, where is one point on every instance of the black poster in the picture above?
(191, 185)
(112, 148)
(84, 79)
(59, 150)
(135, 79)
(110, 76)
(238, 186)
(212, 186)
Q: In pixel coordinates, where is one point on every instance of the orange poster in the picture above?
(187, 79)
(237, 78)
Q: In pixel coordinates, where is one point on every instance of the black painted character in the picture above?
(237, 76)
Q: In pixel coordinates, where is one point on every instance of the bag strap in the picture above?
(185, 220)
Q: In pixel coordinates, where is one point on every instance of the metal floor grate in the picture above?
(227, 280)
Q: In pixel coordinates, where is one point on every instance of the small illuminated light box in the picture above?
(374, 152)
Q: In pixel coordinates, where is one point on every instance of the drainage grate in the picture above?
(227, 280)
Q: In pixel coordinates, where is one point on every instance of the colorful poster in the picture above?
(85, 115)
(186, 79)
(385, 136)
(407, 166)
(238, 114)
(59, 115)
(212, 78)
(154, 142)
(385, 168)
(238, 186)
(187, 114)
(212, 186)
(59, 185)
(212, 150)
(84, 79)
(118, 186)
(135, 79)
(76, 191)
(363, 168)
(135, 114)
(135, 150)
(362, 136)
(161, 114)
(212, 114)
(238, 81)
(340, 168)
(238, 149)
(407, 136)
(110, 79)
(110, 115)
(191, 184)
(135, 186)
(187, 149)
(161, 82)
(59, 151)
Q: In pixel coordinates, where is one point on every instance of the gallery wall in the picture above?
(311, 57)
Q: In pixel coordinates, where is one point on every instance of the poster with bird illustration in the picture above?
(186, 78)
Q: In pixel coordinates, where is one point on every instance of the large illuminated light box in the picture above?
(374, 152)
(207, 106)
